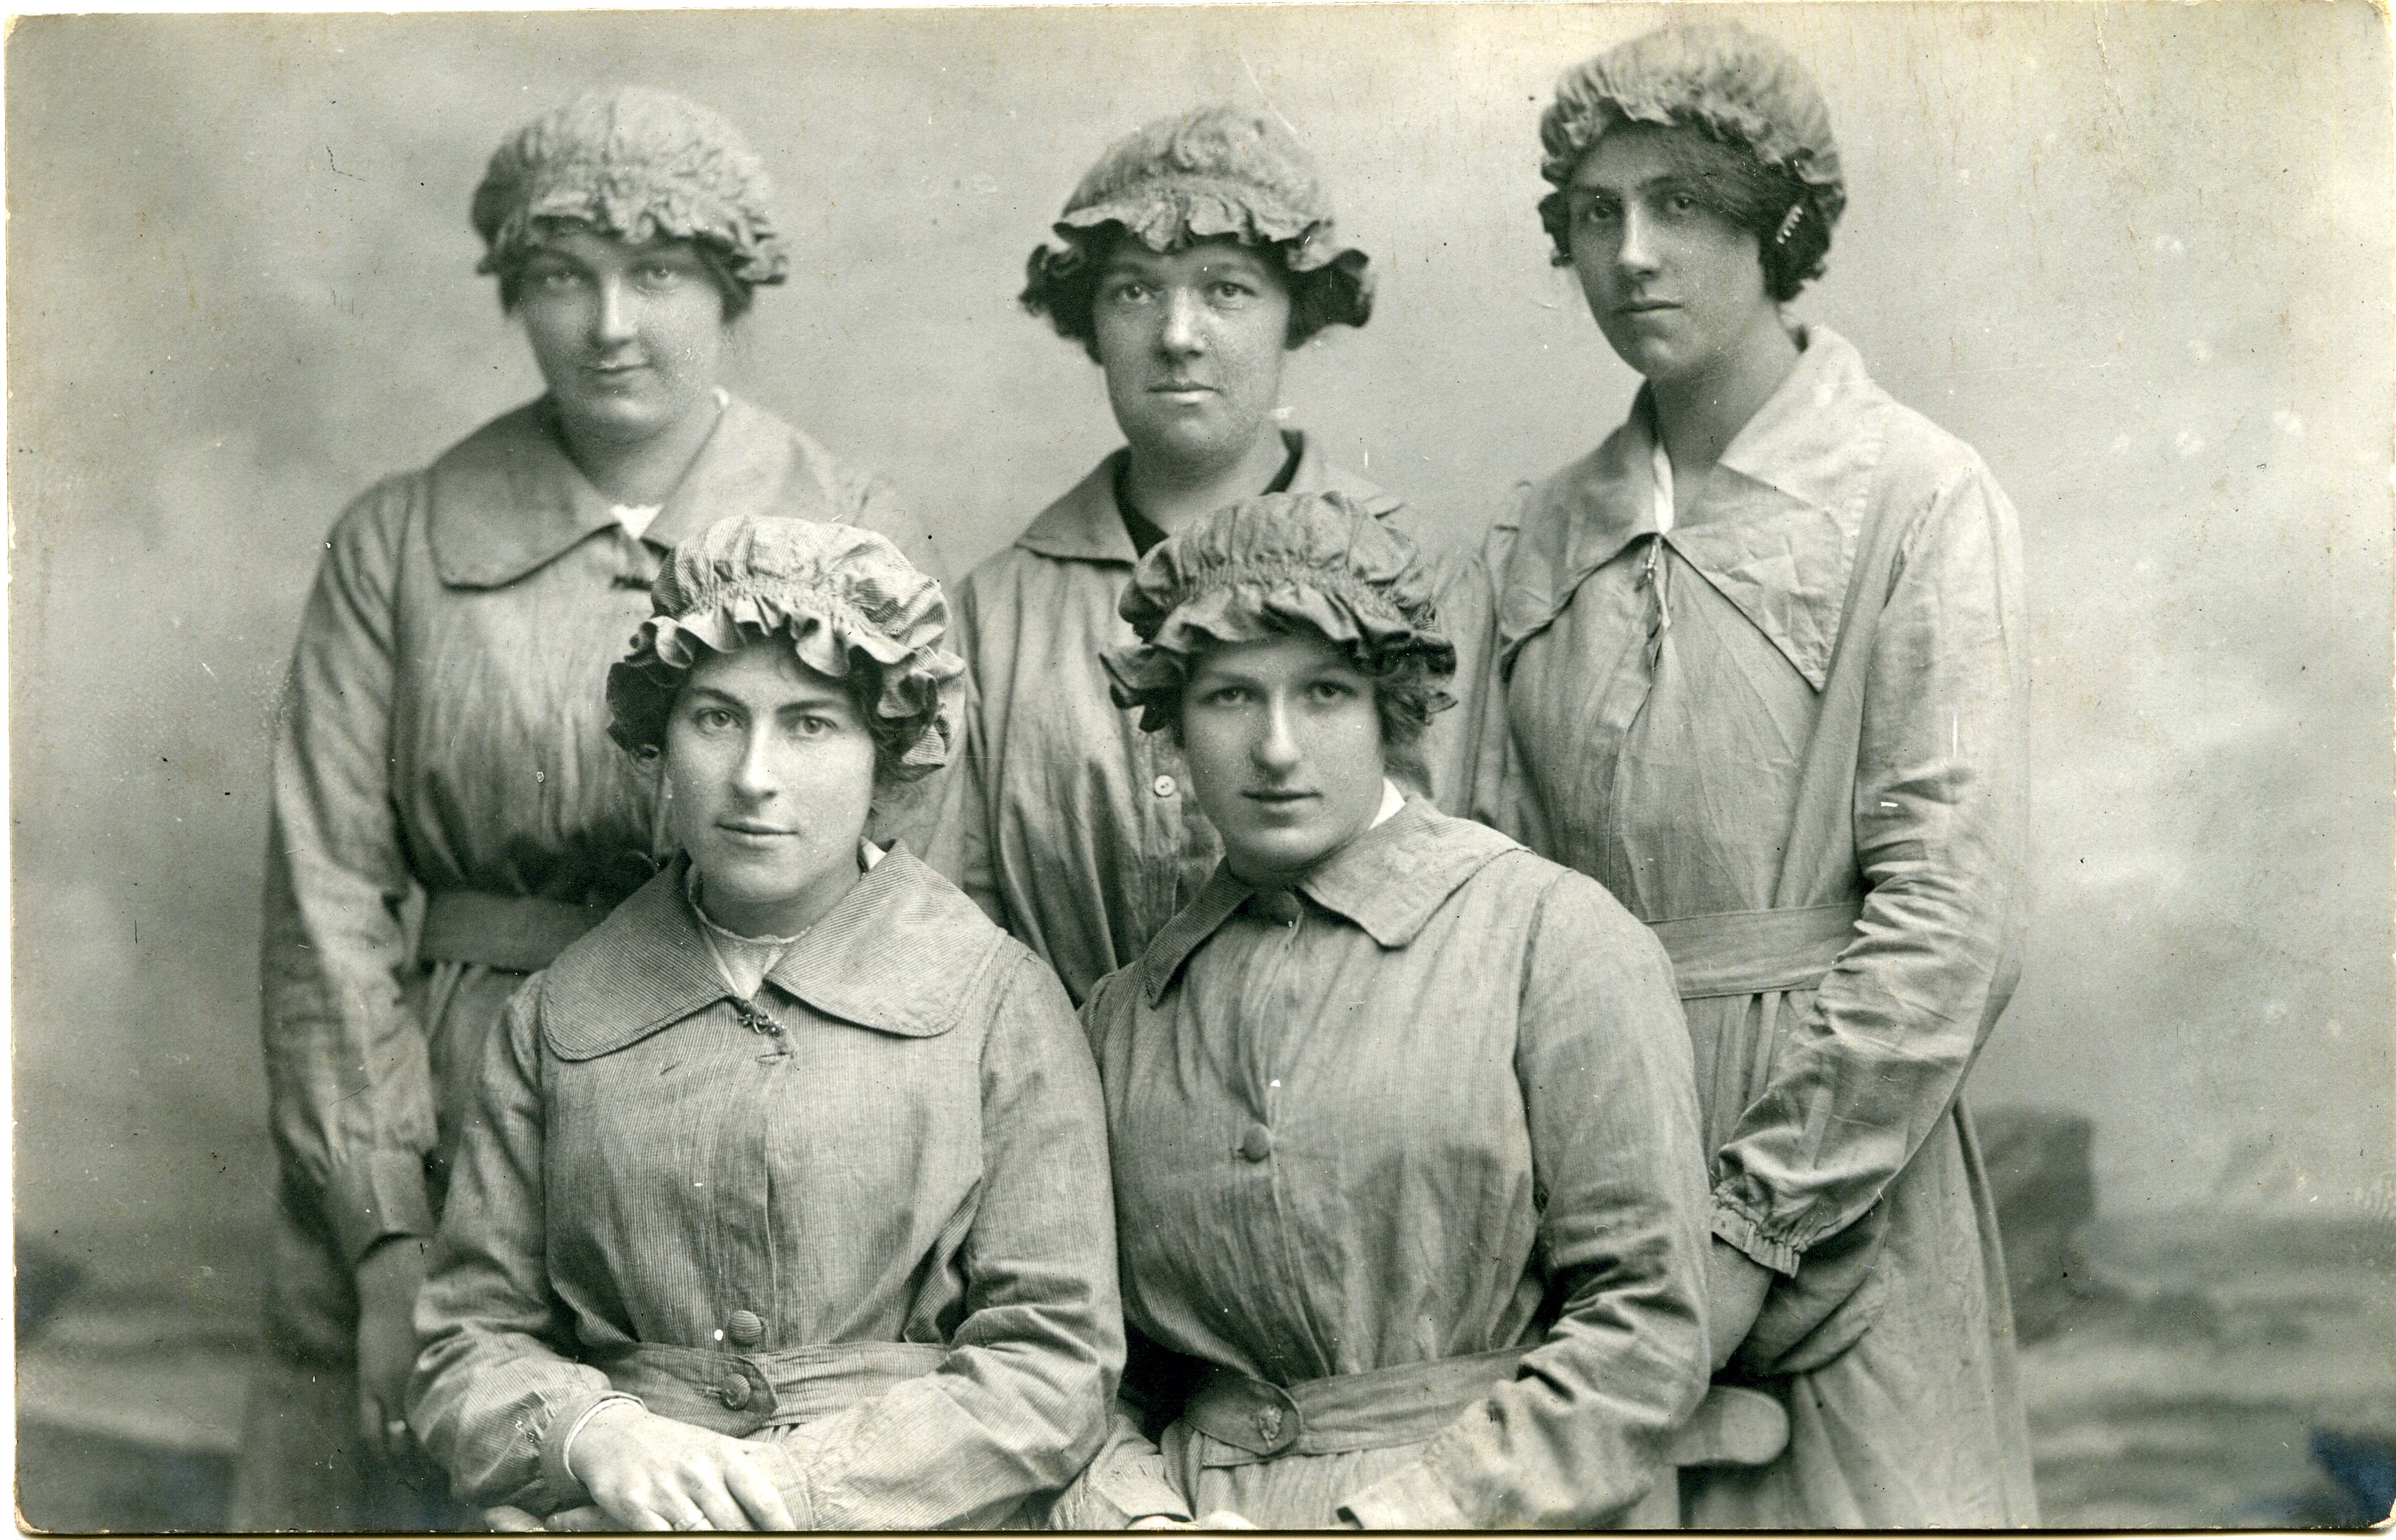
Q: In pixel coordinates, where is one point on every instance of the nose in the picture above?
(1636, 254)
(1275, 750)
(611, 316)
(752, 772)
(1183, 333)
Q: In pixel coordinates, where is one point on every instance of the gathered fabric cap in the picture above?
(1282, 563)
(1214, 172)
(1739, 86)
(637, 164)
(839, 595)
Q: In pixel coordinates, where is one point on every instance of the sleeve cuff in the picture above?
(382, 1196)
(1735, 1224)
(1411, 1499)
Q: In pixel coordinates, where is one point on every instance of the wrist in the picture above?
(605, 1415)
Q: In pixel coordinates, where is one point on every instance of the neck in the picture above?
(1698, 414)
(779, 921)
(1170, 493)
(645, 470)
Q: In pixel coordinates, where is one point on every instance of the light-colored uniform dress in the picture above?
(858, 1216)
(1409, 1188)
(1786, 734)
(1073, 828)
(443, 743)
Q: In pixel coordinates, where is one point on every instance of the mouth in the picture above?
(1645, 307)
(1182, 390)
(756, 831)
(614, 370)
(1274, 797)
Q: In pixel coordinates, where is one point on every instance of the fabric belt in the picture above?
(1374, 1410)
(736, 1394)
(1755, 951)
(503, 930)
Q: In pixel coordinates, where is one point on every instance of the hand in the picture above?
(388, 1280)
(1736, 1284)
(1221, 1518)
(649, 1472)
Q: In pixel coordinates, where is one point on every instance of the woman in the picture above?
(1404, 1141)
(784, 1201)
(441, 737)
(1761, 666)
(1195, 255)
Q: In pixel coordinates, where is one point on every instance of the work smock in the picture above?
(1072, 828)
(860, 1217)
(1787, 732)
(1409, 1191)
(442, 740)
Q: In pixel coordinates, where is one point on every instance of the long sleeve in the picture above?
(1603, 1061)
(493, 1398)
(1879, 1057)
(1021, 1401)
(347, 1079)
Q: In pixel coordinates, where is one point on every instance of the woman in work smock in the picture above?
(442, 739)
(1405, 1152)
(783, 1202)
(1194, 256)
(1762, 663)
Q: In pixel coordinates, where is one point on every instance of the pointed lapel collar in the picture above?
(1577, 521)
(1392, 878)
(1775, 534)
(1388, 882)
(639, 970)
(899, 954)
(507, 499)
(1085, 524)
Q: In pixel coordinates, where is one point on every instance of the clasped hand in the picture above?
(649, 1472)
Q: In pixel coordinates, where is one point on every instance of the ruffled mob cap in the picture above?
(1210, 173)
(842, 598)
(1312, 562)
(639, 165)
(1737, 85)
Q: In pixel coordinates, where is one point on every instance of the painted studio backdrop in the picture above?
(2138, 255)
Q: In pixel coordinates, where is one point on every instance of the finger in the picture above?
(505, 1519)
(756, 1493)
(588, 1518)
(397, 1441)
(370, 1419)
(715, 1502)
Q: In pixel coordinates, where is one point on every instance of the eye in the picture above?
(1598, 211)
(1223, 694)
(1330, 692)
(714, 719)
(1128, 291)
(657, 275)
(815, 726)
(554, 278)
(1230, 291)
(1681, 203)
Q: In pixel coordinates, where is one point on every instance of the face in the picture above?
(1676, 289)
(1193, 344)
(1284, 746)
(772, 775)
(629, 338)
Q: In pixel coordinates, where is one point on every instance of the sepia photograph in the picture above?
(1279, 767)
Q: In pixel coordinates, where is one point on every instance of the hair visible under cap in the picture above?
(1738, 89)
(1211, 173)
(1313, 563)
(638, 164)
(845, 602)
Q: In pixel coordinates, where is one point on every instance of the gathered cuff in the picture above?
(1411, 1498)
(375, 1198)
(1737, 1225)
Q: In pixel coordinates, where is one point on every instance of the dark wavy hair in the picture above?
(1782, 211)
(1062, 282)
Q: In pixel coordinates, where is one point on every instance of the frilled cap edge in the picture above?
(1308, 563)
(639, 165)
(1742, 86)
(840, 596)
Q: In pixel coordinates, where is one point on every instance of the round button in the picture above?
(1256, 1143)
(734, 1395)
(1163, 786)
(744, 1329)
